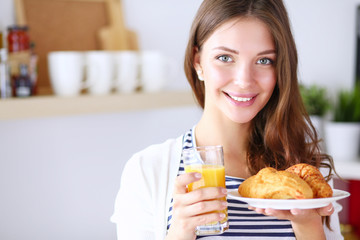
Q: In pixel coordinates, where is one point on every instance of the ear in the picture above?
(197, 64)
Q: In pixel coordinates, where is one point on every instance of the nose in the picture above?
(243, 76)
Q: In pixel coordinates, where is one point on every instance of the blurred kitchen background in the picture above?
(61, 157)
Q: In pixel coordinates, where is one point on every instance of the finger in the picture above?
(258, 210)
(279, 214)
(204, 207)
(185, 179)
(208, 218)
(298, 212)
(326, 211)
(251, 208)
(205, 194)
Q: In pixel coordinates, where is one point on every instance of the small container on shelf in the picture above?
(5, 78)
(22, 61)
(18, 39)
(22, 86)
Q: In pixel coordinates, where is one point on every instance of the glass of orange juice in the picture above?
(209, 161)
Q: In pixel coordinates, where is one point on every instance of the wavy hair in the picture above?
(282, 133)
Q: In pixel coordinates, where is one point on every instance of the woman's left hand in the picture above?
(305, 222)
(297, 215)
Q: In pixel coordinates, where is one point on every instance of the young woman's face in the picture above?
(238, 66)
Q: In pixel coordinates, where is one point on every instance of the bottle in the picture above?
(33, 71)
(22, 84)
(5, 78)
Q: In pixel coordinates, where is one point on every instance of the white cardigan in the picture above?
(147, 182)
(145, 193)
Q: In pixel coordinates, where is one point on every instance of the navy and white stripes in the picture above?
(187, 143)
(244, 223)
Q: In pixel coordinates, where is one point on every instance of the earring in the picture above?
(199, 73)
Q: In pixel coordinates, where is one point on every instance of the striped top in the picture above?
(243, 223)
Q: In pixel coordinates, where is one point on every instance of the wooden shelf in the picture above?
(51, 106)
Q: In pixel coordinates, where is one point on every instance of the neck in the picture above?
(232, 136)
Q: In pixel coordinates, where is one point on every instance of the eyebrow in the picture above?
(270, 51)
(226, 49)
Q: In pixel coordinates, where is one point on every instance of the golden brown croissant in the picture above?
(314, 178)
(270, 183)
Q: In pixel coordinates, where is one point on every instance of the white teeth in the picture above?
(240, 99)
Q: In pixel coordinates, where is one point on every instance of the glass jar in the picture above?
(18, 38)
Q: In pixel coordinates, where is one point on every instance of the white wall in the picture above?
(325, 34)
(59, 176)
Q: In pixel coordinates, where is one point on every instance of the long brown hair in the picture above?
(282, 133)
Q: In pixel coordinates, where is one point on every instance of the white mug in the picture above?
(156, 71)
(99, 72)
(66, 71)
(126, 71)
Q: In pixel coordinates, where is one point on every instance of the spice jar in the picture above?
(18, 38)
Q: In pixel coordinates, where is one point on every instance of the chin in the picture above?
(241, 119)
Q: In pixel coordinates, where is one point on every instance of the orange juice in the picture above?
(212, 176)
(209, 161)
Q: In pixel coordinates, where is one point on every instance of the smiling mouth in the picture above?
(240, 99)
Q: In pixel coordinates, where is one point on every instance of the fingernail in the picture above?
(268, 211)
(198, 175)
(224, 191)
(294, 211)
(224, 203)
(330, 209)
(222, 215)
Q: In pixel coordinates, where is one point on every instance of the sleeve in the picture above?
(335, 232)
(134, 214)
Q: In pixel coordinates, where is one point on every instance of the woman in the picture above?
(241, 63)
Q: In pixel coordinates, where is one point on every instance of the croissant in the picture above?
(300, 181)
(312, 176)
(270, 183)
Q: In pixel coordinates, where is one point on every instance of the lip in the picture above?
(245, 103)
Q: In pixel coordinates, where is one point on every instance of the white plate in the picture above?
(290, 203)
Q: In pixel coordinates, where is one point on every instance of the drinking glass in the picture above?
(209, 161)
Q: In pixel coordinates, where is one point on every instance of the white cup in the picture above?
(99, 71)
(156, 71)
(66, 71)
(126, 71)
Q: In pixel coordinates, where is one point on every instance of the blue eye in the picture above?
(265, 61)
(225, 58)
